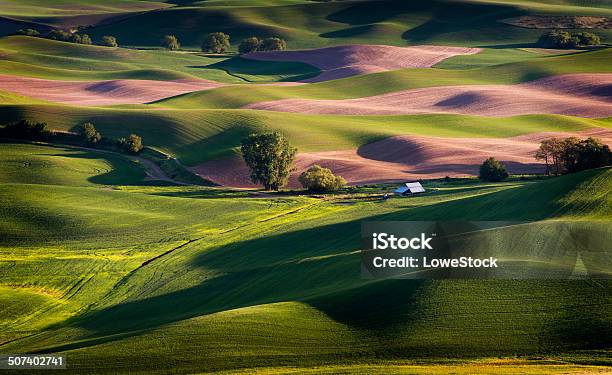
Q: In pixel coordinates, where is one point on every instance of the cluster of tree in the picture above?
(219, 42)
(572, 154)
(92, 137)
(254, 44)
(270, 158)
(492, 170)
(66, 36)
(564, 39)
(26, 129)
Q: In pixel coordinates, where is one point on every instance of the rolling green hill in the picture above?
(43, 58)
(169, 274)
(316, 24)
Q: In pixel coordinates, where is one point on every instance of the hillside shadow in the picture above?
(121, 172)
(318, 266)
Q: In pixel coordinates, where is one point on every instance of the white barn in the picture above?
(410, 188)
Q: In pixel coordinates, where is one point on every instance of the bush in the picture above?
(492, 170)
(26, 129)
(273, 44)
(109, 41)
(89, 133)
(249, 45)
(564, 39)
(319, 179)
(80, 39)
(132, 144)
(170, 42)
(28, 32)
(587, 39)
(216, 43)
(60, 35)
(270, 158)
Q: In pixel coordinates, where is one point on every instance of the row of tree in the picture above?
(219, 42)
(66, 36)
(571, 155)
(564, 39)
(87, 135)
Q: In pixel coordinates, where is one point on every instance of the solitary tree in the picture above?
(249, 45)
(109, 41)
(216, 43)
(273, 44)
(89, 133)
(492, 170)
(270, 158)
(317, 178)
(170, 42)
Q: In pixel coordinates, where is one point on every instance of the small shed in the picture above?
(410, 188)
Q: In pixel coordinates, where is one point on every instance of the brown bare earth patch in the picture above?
(584, 95)
(406, 158)
(560, 22)
(349, 60)
(98, 93)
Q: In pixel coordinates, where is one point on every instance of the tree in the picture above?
(319, 179)
(131, 144)
(592, 153)
(492, 170)
(170, 42)
(270, 158)
(26, 129)
(216, 43)
(27, 32)
(249, 45)
(109, 41)
(550, 153)
(60, 35)
(273, 44)
(89, 133)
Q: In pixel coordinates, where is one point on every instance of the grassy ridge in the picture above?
(198, 135)
(316, 24)
(231, 279)
(43, 58)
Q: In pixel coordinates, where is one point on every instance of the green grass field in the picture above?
(124, 274)
(232, 279)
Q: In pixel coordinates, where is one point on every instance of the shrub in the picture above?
(216, 43)
(270, 158)
(28, 32)
(492, 170)
(170, 42)
(249, 45)
(273, 44)
(132, 144)
(60, 35)
(319, 179)
(26, 129)
(80, 39)
(109, 41)
(89, 133)
(564, 39)
(587, 39)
